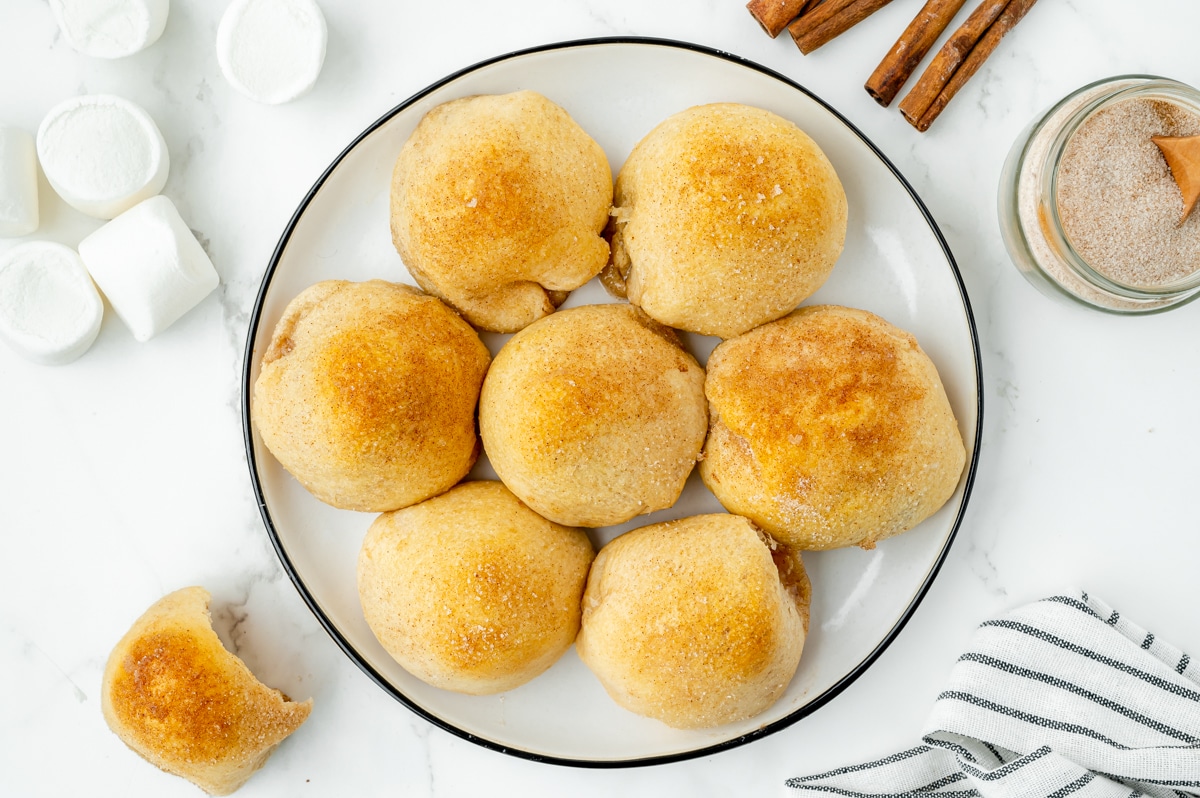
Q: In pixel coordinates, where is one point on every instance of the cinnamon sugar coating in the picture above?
(1119, 205)
(367, 394)
(594, 415)
(830, 427)
(726, 216)
(472, 591)
(696, 622)
(497, 207)
(174, 695)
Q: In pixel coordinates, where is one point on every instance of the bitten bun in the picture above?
(367, 394)
(830, 427)
(498, 204)
(697, 622)
(174, 695)
(594, 415)
(472, 591)
(726, 216)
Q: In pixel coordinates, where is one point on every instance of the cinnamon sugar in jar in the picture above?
(1089, 209)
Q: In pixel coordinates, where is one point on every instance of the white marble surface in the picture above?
(124, 475)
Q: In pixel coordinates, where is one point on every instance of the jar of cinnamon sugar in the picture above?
(1089, 207)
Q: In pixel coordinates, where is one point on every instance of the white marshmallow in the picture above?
(110, 28)
(49, 310)
(150, 266)
(18, 183)
(272, 50)
(102, 154)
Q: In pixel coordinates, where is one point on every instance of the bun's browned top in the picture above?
(726, 216)
(174, 695)
(472, 591)
(594, 415)
(849, 395)
(367, 394)
(830, 427)
(498, 204)
(695, 622)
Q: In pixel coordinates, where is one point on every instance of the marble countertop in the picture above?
(124, 475)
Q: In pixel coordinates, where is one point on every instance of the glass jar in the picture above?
(1030, 220)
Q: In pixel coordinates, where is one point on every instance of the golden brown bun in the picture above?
(830, 428)
(174, 695)
(367, 394)
(473, 591)
(498, 205)
(726, 216)
(594, 415)
(696, 622)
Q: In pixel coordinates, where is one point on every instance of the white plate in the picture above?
(895, 264)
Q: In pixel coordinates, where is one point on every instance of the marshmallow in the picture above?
(102, 154)
(49, 310)
(110, 28)
(272, 50)
(150, 266)
(18, 183)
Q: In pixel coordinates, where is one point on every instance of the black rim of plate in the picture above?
(352, 653)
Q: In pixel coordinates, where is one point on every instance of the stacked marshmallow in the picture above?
(110, 28)
(102, 154)
(106, 158)
(272, 51)
(50, 312)
(150, 266)
(18, 183)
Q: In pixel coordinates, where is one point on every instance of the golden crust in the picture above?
(830, 428)
(367, 394)
(498, 203)
(594, 415)
(174, 695)
(696, 622)
(472, 591)
(726, 216)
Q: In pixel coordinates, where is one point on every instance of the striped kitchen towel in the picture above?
(1062, 697)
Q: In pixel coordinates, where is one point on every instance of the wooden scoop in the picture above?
(1183, 157)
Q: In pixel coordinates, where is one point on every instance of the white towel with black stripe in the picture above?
(1062, 697)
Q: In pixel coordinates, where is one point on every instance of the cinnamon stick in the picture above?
(960, 59)
(774, 15)
(829, 20)
(950, 58)
(898, 65)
